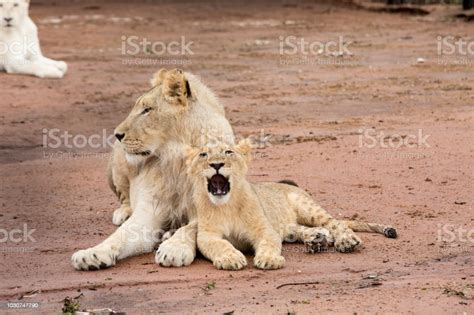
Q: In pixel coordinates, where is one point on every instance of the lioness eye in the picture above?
(203, 154)
(146, 110)
(229, 152)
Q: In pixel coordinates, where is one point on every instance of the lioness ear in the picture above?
(158, 77)
(176, 89)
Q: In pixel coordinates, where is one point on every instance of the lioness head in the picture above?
(219, 169)
(153, 119)
(13, 12)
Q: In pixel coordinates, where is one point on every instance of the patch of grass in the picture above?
(70, 306)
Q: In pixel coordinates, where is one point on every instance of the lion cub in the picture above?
(234, 213)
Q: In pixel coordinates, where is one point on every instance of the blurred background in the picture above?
(368, 105)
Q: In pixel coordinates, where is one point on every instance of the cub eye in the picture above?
(146, 110)
(203, 154)
(1, 5)
(15, 4)
(229, 152)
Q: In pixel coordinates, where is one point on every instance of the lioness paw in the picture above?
(347, 242)
(93, 258)
(50, 72)
(121, 215)
(269, 262)
(62, 66)
(172, 253)
(233, 260)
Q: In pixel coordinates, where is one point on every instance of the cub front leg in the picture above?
(180, 249)
(136, 236)
(268, 251)
(221, 252)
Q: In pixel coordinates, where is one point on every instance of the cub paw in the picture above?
(269, 262)
(121, 215)
(172, 253)
(347, 242)
(318, 240)
(93, 259)
(234, 260)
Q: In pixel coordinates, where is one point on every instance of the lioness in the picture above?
(149, 175)
(19, 45)
(233, 213)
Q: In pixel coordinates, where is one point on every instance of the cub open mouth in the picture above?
(218, 185)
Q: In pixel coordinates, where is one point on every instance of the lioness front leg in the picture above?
(180, 249)
(220, 251)
(136, 236)
(60, 65)
(118, 176)
(38, 69)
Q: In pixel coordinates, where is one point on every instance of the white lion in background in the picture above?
(20, 50)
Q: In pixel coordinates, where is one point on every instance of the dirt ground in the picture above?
(320, 114)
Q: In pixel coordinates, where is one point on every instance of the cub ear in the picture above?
(245, 147)
(176, 89)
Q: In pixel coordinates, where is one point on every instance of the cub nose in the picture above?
(119, 136)
(8, 19)
(216, 166)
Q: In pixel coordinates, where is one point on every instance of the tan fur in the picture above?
(147, 171)
(261, 215)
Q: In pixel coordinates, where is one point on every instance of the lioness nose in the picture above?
(8, 19)
(216, 166)
(119, 136)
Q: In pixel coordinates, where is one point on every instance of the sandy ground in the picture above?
(314, 115)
